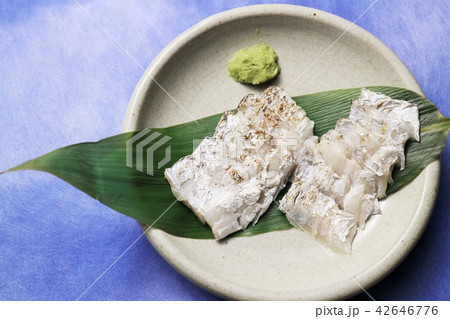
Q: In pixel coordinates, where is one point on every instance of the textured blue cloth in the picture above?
(65, 81)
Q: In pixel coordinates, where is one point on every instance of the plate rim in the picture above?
(418, 224)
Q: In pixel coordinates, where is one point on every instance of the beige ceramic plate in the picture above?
(284, 264)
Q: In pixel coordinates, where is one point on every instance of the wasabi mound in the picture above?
(254, 65)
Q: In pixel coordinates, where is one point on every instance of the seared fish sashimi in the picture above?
(338, 181)
(231, 178)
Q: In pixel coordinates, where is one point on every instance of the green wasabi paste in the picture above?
(254, 65)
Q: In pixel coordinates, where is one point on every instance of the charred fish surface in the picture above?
(232, 177)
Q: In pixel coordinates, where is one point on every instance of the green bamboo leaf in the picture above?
(99, 169)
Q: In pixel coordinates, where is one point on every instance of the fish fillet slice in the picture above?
(231, 178)
(317, 214)
(350, 168)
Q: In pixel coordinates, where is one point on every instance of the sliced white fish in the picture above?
(231, 178)
(307, 208)
(348, 171)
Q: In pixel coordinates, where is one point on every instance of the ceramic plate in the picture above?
(286, 264)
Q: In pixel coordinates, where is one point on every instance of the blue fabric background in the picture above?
(64, 81)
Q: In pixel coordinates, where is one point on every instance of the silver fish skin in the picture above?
(232, 177)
